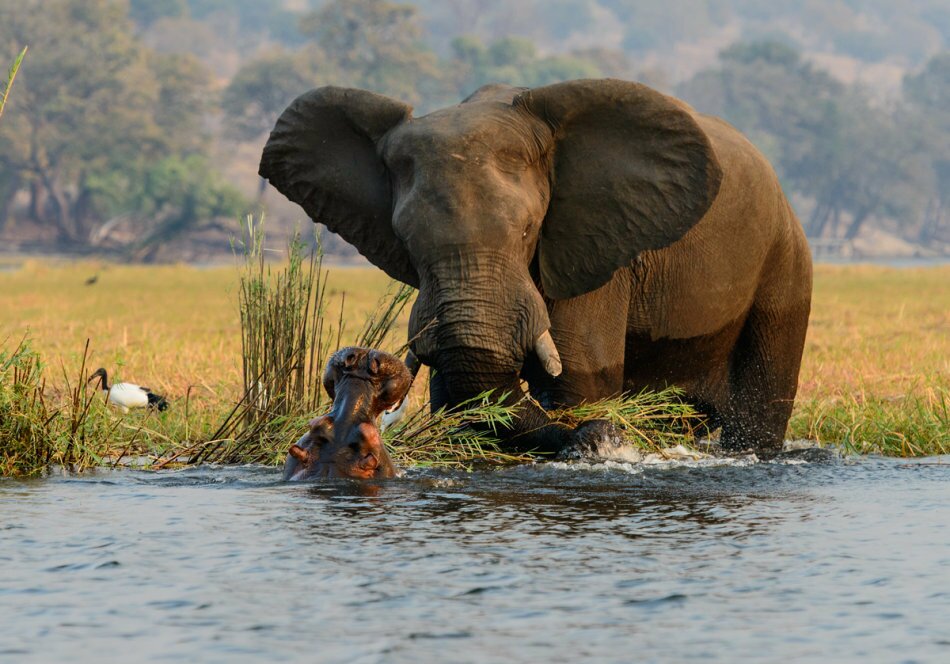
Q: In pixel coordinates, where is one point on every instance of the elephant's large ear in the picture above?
(322, 155)
(633, 171)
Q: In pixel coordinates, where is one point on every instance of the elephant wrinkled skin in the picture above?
(652, 244)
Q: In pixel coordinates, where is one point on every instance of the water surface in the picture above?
(844, 561)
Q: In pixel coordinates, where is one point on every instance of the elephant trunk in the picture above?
(475, 323)
(485, 307)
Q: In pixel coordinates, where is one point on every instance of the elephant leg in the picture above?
(763, 379)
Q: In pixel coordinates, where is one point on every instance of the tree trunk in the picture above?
(37, 207)
(6, 202)
(83, 212)
(62, 210)
(820, 219)
(859, 218)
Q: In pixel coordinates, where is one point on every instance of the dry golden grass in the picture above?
(168, 327)
(876, 371)
(875, 375)
(876, 330)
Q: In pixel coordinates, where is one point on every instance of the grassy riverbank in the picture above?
(876, 374)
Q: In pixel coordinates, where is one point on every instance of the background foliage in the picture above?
(139, 121)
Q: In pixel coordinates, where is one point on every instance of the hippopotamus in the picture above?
(345, 442)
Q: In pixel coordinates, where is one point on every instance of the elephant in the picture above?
(587, 238)
(346, 443)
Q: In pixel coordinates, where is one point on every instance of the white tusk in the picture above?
(547, 353)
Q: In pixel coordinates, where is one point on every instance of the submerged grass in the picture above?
(875, 376)
(446, 438)
(650, 420)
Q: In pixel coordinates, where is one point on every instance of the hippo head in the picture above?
(346, 442)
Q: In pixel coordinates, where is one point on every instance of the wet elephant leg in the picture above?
(763, 379)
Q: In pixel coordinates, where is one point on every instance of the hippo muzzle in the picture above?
(346, 441)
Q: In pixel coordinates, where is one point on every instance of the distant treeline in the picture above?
(106, 142)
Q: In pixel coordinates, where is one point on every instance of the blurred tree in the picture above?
(514, 60)
(928, 97)
(146, 12)
(183, 100)
(374, 44)
(96, 107)
(263, 87)
(179, 193)
(827, 141)
(930, 89)
(255, 18)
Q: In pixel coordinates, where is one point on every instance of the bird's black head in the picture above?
(103, 377)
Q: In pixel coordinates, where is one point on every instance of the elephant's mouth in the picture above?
(481, 316)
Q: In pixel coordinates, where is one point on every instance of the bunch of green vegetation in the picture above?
(873, 380)
(72, 427)
(25, 441)
(286, 339)
(916, 424)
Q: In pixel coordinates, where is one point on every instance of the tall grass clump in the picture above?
(285, 336)
(909, 425)
(25, 445)
(286, 340)
(40, 427)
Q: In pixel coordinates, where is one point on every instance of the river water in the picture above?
(841, 561)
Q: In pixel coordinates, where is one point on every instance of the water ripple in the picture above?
(846, 559)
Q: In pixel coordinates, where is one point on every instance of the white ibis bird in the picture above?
(394, 414)
(128, 395)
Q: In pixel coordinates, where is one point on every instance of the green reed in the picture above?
(11, 76)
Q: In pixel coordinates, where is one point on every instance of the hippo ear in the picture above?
(397, 378)
(632, 171)
(345, 358)
(322, 155)
(332, 374)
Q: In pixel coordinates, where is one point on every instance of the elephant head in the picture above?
(495, 206)
(346, 442)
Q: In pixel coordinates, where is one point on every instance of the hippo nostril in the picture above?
(299, 453)
(374, 366)
(368, 462)
(350, 360)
